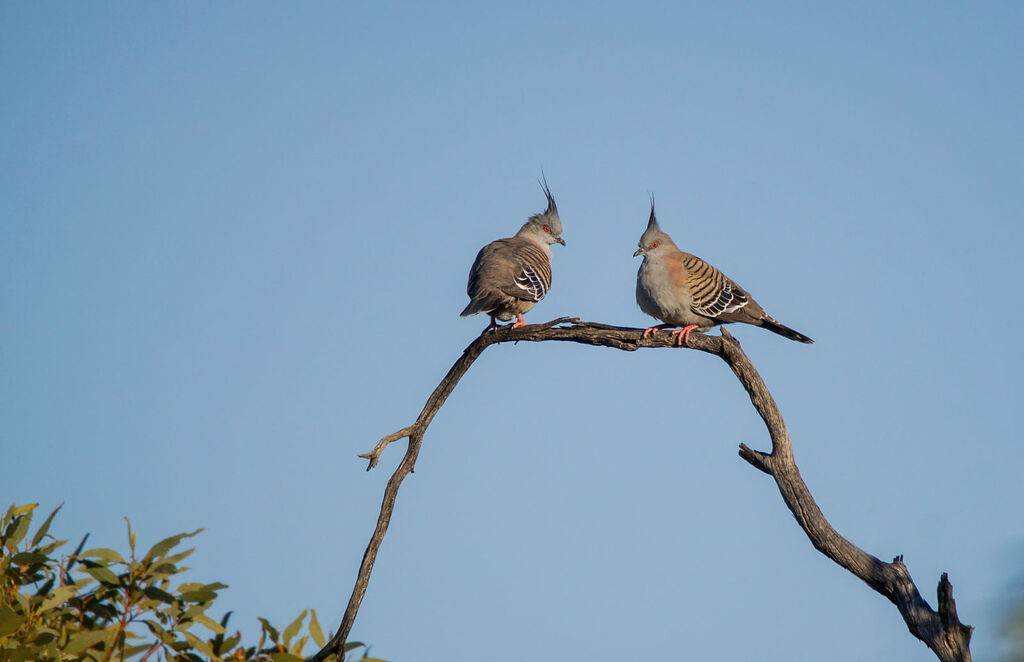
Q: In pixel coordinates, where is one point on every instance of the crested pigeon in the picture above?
(509, 276)
(685, 291)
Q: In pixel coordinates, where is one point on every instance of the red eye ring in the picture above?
(547, 229)
(654, 244)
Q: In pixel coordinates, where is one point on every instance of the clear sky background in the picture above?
(235, 239)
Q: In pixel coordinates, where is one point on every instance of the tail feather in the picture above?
(775, 326)
(483, 303)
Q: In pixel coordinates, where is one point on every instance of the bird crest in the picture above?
(653, 236)
(652, 222)
(547, 219)
(552, 207)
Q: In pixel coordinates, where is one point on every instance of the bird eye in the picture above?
(654, 244)
(547, 229)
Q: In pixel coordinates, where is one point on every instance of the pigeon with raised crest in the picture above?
(683, 290)
(509, 276)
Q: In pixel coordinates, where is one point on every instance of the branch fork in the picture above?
(940, 630)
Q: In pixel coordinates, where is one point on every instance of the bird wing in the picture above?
(513, 266)
(711, 291)
(532, 272)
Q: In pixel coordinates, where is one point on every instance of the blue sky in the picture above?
(234, 246)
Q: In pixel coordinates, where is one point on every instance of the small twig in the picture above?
(152, 649)
(757, 459)
(941, 631)
(374, 455)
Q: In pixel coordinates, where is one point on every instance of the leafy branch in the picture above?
(97, 605)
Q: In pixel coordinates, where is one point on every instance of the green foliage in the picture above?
(96, 605)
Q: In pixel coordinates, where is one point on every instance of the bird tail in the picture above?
(775, 326)
(484, 302)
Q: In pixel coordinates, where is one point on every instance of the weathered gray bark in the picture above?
(940, 630)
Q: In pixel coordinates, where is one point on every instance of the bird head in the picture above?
(653, 241)
(546, 227)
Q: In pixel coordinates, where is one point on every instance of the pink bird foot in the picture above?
(519, 321)
(683, 335)
(651, 329)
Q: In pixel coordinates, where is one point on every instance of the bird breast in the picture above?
(658, 294)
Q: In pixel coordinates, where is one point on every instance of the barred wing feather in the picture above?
(712, 293)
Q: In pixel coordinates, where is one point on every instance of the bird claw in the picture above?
(682, 335)
(649, 331)
(519, 322)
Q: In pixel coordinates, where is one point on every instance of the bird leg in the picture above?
(492, 326)
(683, 335)
(651, 329)
(519, 321)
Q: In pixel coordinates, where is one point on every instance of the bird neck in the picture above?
(534, 236)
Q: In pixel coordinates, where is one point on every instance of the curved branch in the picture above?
(940, 630)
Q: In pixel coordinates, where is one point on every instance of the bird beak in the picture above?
(561, 241)
(638, 251)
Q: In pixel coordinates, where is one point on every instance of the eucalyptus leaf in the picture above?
(314, 629)
(154, 627)
(293, 629)
(58, 597)
(155, 593)
(103, 575)
(285, 657)
(45, 527)
(28, 558)
(50, 547)
(230, 642)
(84, 640)
(210, 624)
(21, 510)
(158, 550)
(269, 629)
(200, 645)
(173, 559)
(296, 648)
(102, 553)
(43, 638)
(17, 529)
(131, 651)
(10, 620)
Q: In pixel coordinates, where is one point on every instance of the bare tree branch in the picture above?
(940, 630)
